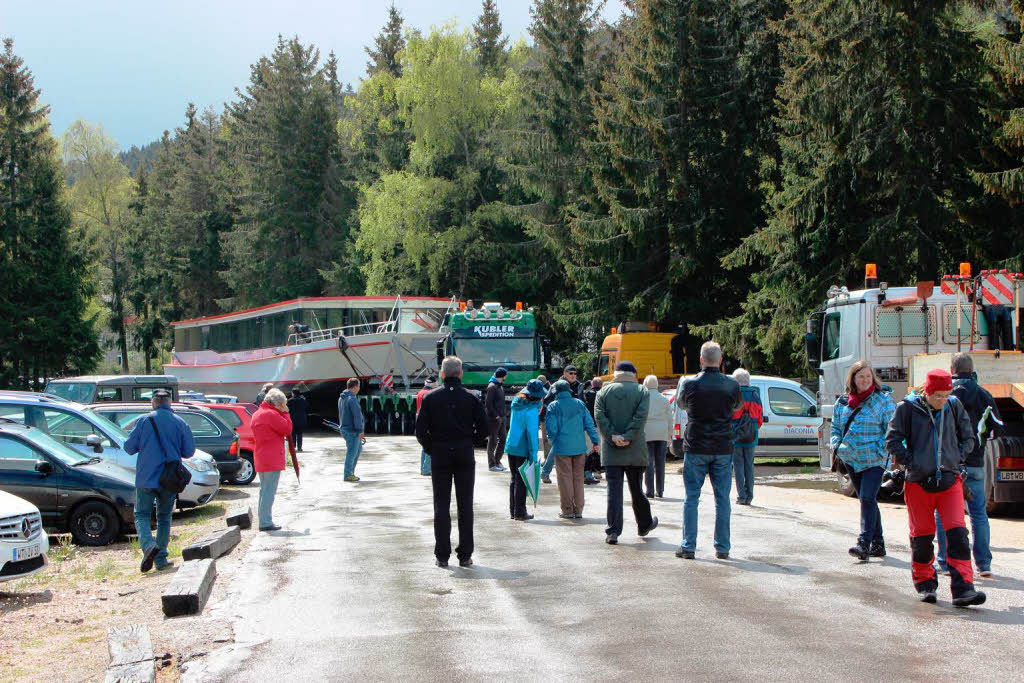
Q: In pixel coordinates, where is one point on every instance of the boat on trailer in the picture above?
(315, 344)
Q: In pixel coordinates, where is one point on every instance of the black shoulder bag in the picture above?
(175, 476)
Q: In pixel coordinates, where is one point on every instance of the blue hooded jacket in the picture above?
(523, 427)
(567, 419)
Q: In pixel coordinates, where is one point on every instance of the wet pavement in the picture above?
(348, 590)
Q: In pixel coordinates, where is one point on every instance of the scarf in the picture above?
(856, 399)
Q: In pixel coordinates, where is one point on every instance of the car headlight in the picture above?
(197, 465)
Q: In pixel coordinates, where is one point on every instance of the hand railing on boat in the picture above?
(320, 335)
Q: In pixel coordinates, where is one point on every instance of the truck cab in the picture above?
(661, 354)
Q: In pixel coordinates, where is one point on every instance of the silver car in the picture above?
(89, 432)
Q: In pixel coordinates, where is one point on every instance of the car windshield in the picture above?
(109, 426)
(492, 353)
(80, 392)
(228, 417)
(65, 454)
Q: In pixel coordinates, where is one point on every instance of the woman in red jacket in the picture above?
(271, 425)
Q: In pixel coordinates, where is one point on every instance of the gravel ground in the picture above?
(68, 607)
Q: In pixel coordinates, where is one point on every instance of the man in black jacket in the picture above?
(709, 399)
(494, 409)
(298, 409)
(449, 421)
(979, 405)
(592, 465)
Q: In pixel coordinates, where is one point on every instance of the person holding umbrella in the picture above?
(521, 443)
(271, 426)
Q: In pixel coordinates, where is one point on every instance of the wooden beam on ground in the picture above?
(214, 545)
(131, 655)
(190, 588)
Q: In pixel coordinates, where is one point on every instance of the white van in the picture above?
(791, 419)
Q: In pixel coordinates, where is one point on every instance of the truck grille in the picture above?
(11, 527)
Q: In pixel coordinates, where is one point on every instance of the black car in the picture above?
(210, 432)
(93, 499)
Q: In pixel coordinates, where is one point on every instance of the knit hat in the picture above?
(535, 389)
(570, 368)
(562, 385)
(500, 372)
(938, 380)
(625, 366)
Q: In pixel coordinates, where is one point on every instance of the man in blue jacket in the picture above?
(158, 438)
(350, 417)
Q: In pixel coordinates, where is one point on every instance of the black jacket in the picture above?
(914, 433)
(298, 408)
(975, 400)
(494, 401)
(709, 399)
(450, 416)
(590, 398)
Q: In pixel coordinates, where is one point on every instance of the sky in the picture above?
(134, 66)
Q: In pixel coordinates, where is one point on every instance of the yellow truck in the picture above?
(653, 352)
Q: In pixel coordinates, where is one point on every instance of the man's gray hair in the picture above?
(596, 383)
(451, 366)
(962, 362)
(742, 376)
(710, 354)
(276, 397)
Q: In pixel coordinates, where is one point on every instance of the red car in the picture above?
(238, 416)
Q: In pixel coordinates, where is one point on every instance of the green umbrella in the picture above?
(530, 472)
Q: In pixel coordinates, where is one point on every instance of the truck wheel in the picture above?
(247, 473)
(844, 481)
(94, 523)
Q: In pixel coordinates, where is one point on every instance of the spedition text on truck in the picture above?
(905, 331)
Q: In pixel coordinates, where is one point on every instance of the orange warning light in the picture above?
(965, 270)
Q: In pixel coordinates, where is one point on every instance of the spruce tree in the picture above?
(490, 45)
(387, 44)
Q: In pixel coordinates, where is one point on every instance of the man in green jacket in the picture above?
(620, 412)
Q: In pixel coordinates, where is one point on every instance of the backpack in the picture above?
(744, 430)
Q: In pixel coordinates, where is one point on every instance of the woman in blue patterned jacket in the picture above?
(859, 423)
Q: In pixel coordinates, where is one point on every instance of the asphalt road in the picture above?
(348, 590)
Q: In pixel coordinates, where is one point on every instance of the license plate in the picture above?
(1004, 475)
(26, 553)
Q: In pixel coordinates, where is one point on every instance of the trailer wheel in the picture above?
(844, 481)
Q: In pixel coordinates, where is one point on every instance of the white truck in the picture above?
(904, 331)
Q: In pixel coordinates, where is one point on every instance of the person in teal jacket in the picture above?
(568, 421)
(522, 442)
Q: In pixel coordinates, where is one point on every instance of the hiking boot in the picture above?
(165, 565)
(652, 527)
(927, 596)
(969, 597)
(523, 518)
(468, 562)
(566, 515)
(351, 477)
(546, 480)
(877, 549)
(441, 563)
(684, 554)
(147, 558)
(722, 554)
(612, 539)
(860, 551)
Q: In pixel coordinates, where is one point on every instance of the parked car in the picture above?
(211, 434)
(197, 396)
(87, 496)
(791, 419)
(238, 417)
(108, 388)
(221, 398)
(23, 544)
(90, 433)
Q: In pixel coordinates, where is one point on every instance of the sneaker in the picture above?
(351, 477)
(860, 551)
(877, 549)
(722, 554)
(612, 539)
(468, 562)
(524, 518)
(546, 480)
(652, 527)
(502, 468)
(147, 559)
(495, 468)
(588, 482)
(649, 495)
(660, 495)
(566, 515)
(927, 596)
(684, 554)
(969, 597)
(441, 563)
(165, 565)
(272, 527)
(578, 515)
(985, 572)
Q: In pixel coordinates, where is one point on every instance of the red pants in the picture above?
(921, 507)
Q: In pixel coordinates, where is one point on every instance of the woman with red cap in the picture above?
(930, 436)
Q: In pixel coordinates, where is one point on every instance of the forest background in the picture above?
(713, 166)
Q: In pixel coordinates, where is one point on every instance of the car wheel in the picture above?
(94, 523)
(845, 482)
(247, 473)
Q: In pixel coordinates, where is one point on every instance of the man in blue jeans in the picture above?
(350, 417)
(159, 437)
(977, 401)
(709, 399)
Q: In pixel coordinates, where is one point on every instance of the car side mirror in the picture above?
(44, 467)
(94, 442)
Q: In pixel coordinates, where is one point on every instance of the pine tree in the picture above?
(388, 43)
(45, 283)
(880, 128)
(491, 47)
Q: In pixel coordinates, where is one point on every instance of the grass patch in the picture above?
(203, 513)
(105, 570)
(31, 644)
(806, 469)
(63, 550)
(787, 460)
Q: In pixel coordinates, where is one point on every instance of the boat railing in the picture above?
(313, 336)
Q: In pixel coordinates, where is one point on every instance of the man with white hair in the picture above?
(745, 425)
(450, 420)
(709, 399)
